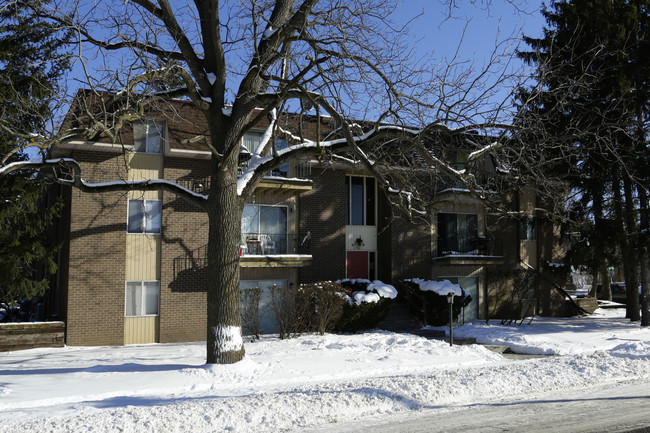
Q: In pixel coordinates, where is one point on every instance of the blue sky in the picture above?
(499, 20)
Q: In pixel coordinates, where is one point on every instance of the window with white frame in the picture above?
(360, 203)
(252, 139)
(149, 136)
(142, 298)
(144, 216)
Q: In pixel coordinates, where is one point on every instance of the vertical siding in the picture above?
(138, 330)
(528, 248)
(142, 257)
(143, 251)
(528, 252)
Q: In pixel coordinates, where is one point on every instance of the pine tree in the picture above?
(582, 120)
(30, 65)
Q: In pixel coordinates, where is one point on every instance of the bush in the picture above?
(328, 301)
(350, 306)
(291, 311)
(312, 307)
(368, 304)
(435, 304)
(250, 311)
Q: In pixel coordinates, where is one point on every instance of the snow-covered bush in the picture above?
(433, 295)
(368, 303)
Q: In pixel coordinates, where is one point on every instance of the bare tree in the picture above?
(246, 63)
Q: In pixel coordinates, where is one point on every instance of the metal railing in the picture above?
(483, 179)
(251, 244)
(274, 243)
(478, 246)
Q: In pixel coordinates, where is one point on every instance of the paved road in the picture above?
(611, 409)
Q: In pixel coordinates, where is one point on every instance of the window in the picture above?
(457, 233)
(360, 206)
(528, 229)
(144, 216)
(148, 136)
(252, 139)
(258, 220)
(142, 298)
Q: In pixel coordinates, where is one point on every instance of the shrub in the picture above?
(291, 311)
(368, 304)
(434, 298)
(250, 311)
(327, 301)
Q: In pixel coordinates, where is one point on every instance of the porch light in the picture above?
(450, 300)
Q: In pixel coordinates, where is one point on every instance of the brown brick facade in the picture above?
(95, 295)
(184, 230)
(322, 213)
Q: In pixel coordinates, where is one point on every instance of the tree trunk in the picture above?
(224, 340)
(606, 293)
(593, 293)
(644, 256)
(632, 259)
(645, 286)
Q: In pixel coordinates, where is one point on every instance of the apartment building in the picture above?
(132, 267)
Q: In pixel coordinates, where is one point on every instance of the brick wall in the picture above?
(95, 295)
(184, 230)
(322, 212)
(411, 249)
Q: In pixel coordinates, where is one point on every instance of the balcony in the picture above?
(476, 250)
(255, 250)
(484, 179)
(279, 179)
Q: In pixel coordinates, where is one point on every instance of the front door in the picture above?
(357, 264)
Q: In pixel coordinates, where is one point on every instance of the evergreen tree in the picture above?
(30, 65)
(582, 121)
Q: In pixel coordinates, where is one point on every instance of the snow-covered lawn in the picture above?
(308, 381)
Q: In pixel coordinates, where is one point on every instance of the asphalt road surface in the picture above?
(613, 408)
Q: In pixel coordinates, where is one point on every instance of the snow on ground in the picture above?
(566, 336)
(285, 385)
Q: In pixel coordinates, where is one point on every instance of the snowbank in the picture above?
(442, 288)
(308, 381)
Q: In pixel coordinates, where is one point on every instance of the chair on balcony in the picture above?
(267, 244)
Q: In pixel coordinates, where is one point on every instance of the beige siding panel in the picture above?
(142, 257)
(144, 166)
(528, 252)
(527, 200)
(141, 330)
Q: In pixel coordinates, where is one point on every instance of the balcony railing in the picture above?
(484, 179)
(252, 244)
(478, 246)
(274, 244)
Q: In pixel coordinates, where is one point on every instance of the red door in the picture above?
(357, 264)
